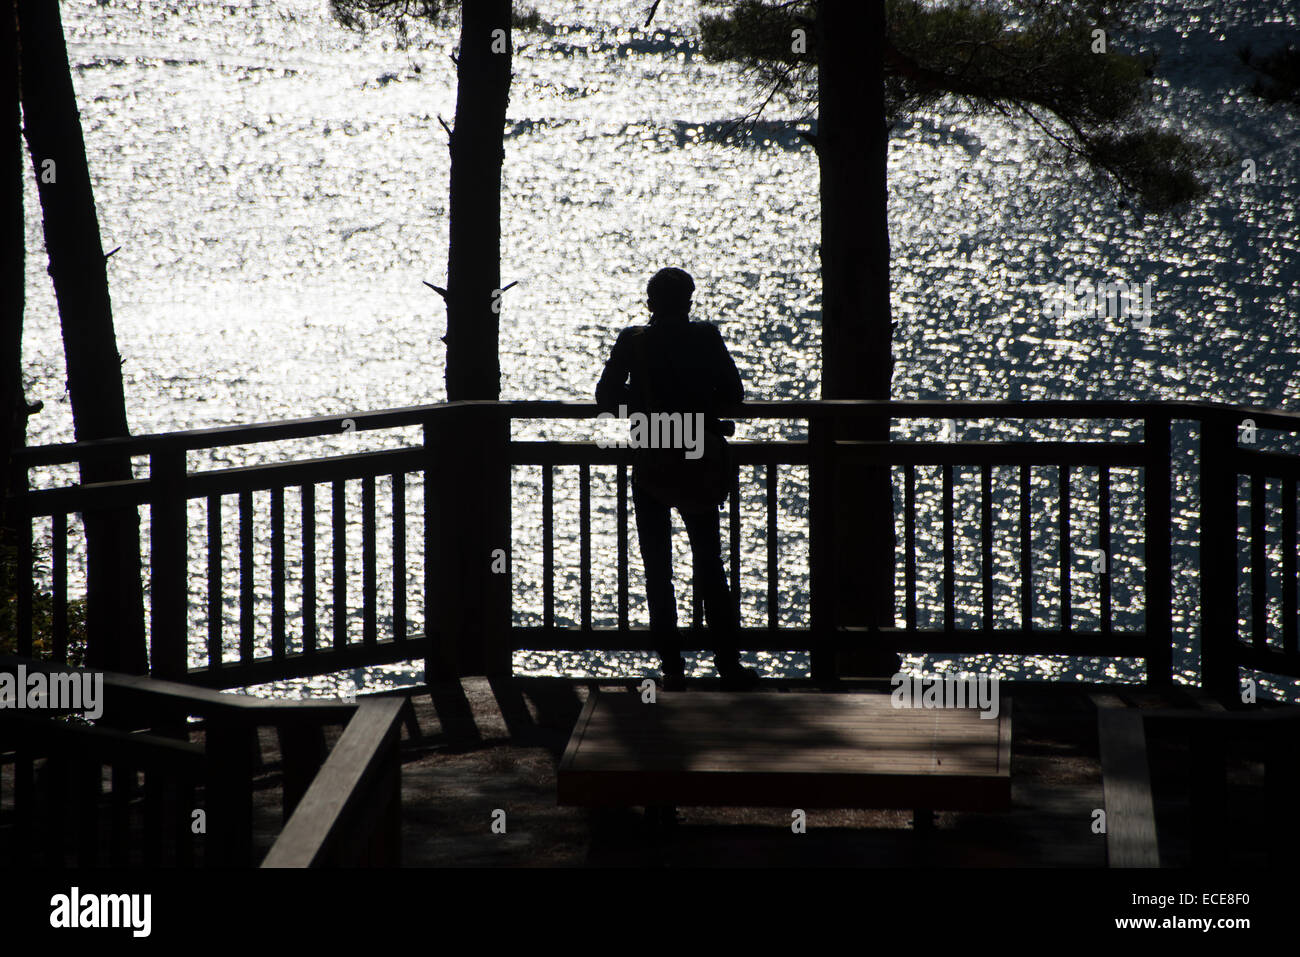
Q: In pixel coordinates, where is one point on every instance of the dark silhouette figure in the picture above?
(675, 365)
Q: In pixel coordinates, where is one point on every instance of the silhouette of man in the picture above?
(675, 365)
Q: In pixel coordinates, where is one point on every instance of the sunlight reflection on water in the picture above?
(278, 186)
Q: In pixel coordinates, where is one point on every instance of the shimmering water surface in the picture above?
(278, 186)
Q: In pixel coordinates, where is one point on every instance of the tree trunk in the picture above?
(468, 482)
(13, 406)
(115, 606)
(477, 152)
(852, 152)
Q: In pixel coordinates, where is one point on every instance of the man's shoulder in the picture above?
(706, 329)
(626, 336)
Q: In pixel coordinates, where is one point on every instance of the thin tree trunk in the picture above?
(477, 153)
(852, 151)
(115, 606)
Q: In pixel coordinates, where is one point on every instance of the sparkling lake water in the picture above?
(278, 186)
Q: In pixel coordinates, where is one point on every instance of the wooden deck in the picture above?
(472, 747)
(714, 749)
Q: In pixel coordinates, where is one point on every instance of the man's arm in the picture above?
(612, 390)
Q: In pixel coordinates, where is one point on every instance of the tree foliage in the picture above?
(1039, 62)
(42, 615)
(1281, 74)
(400, 14)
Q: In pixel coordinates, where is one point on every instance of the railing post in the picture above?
(821, 548)
(856, 522)
(439, 623)
(169, 585)
(1218, 557)
(1159, 570)
(497, 552)
(467, 520)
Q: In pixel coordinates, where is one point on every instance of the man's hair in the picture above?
(669, 290)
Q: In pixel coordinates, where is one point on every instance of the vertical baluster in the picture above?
(623, 623)
(216, 609)
(182, 835)
(246, 577)
(308, 568)
(949, 579)
(25, 572)
(1026, 556)
(25, 837)
(1063, 533)
(369, 589)
(584, 546)
(119, 841)
(986, 543)
(1103, 542)
(399, 556)
(773, 585)
(277, 572)
(1258, 567)
(909, 544)
(338, 522)
(154, 809)
(59, 557)
(548, 546)
(1288, 568)
(735, 541)
(88, 778)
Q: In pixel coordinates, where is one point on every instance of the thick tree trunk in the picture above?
(115, 607)
(853, 151)
(13, 407)
(469, 486)
(474, 249)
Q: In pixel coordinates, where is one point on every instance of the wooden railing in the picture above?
(1261, 603)
(65, 806)
(352, 813)
(1004, 608)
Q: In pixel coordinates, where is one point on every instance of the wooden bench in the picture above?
(708, 749)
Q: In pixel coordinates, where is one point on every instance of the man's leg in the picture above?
(720, 609)
(654, 530)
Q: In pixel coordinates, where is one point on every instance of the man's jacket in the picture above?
(671, 366)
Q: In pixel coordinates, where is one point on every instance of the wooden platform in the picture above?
(799, 750)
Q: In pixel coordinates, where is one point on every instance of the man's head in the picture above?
(669, 293)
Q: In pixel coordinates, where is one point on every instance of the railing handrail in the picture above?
(316, 426)
(352, 781)
(167, 699)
